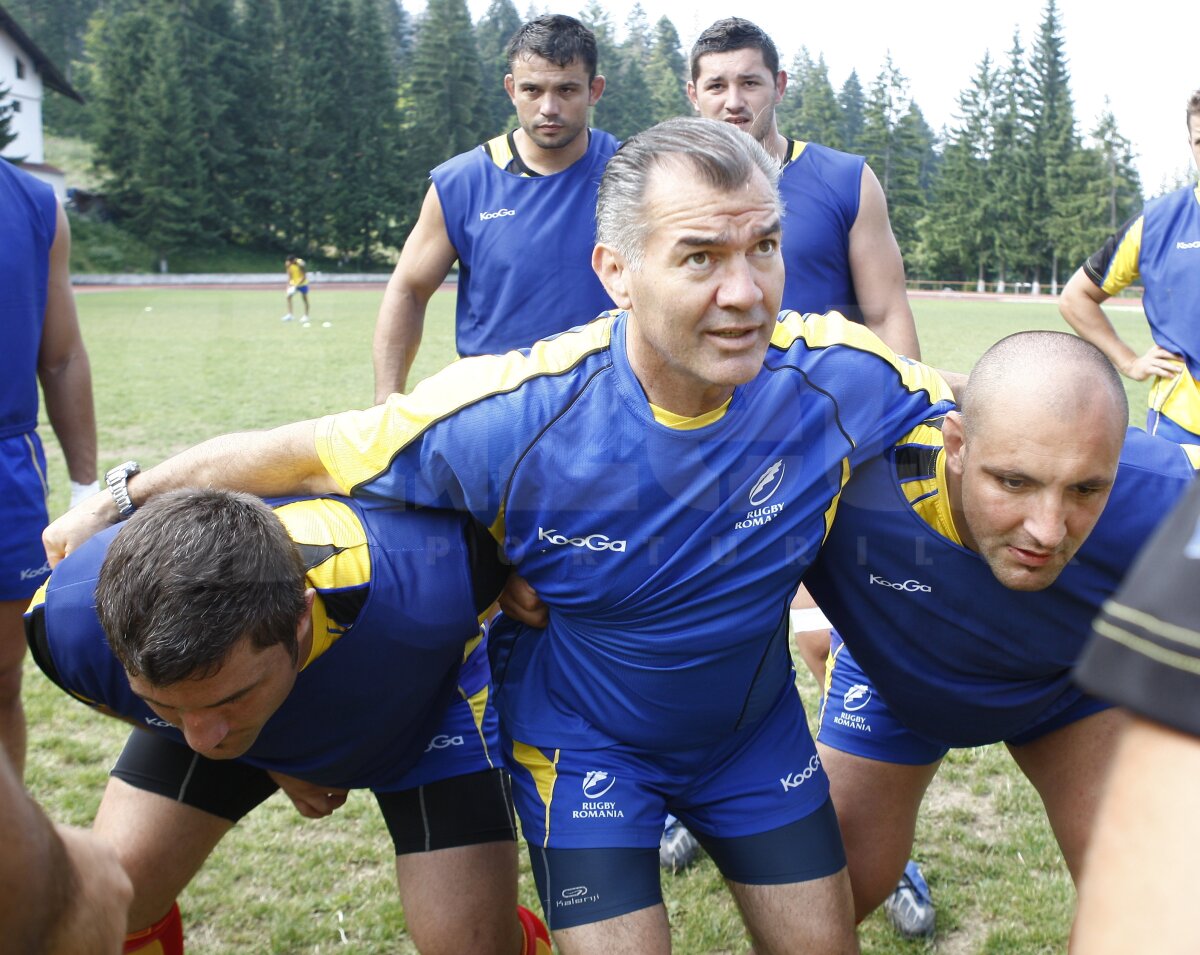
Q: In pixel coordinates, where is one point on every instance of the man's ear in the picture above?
(595, 89)
(691, 95)
(780, 86)
(304, 630)
(612, 271)
(510, 87)
(954, 439)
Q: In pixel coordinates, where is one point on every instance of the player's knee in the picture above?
(446, 933)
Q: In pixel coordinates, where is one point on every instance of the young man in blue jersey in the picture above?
(315, 646)
(42, 345)
(962, 573)
(1160, 247)
(516, 212)
(662, 477)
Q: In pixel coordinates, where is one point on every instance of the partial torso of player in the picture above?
(956, 655)
(393, 622)
(667, 550)
(27, 226)
(820, 188)
(297, 273)
(524, 245)
(1162, 247)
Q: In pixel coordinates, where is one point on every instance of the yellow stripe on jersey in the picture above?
(356, 446)
(798, 147)
(544, 771)
(833, 328)
(1178, 398)
(39, 597)
(326, 523)
(1147, 648)
(684, 423)
(478, 703)
(1123, 268)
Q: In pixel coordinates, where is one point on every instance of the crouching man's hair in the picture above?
(190, 575)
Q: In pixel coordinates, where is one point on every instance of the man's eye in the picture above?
(699, 258)
(767, 246)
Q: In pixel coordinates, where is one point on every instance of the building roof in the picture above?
(51, 76)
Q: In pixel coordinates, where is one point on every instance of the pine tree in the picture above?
(956, 239)
(666, 74)
(609, 113)
(6, 113)
(492, 34)
(788, 112)
(820, 118)
(1054, 137)
(1016, 179)
(443, 94)
(852, 103)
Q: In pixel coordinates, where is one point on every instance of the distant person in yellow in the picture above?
(297, 279)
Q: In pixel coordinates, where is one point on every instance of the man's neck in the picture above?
(546, 162)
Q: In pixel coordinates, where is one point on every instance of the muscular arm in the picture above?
(63, 368)
(62, 891)
(877, 270)
(424, 263)
(278, 462)
(1080, 303)
(1136, 894)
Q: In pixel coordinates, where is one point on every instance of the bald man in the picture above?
(962, 572)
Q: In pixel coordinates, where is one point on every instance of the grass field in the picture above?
(174, 367)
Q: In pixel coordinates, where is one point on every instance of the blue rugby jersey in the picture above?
(395, 640)
(1162, 248)
(957, 656)
(820, 188)
(524, 247)
(667, 555)
(27, 226)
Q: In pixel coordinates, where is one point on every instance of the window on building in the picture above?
(20, 69)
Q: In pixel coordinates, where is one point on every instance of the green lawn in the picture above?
(172, 367)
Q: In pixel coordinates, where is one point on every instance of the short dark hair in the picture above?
(555, 37)
(1193, 107)
(734, 33)
(193, 573)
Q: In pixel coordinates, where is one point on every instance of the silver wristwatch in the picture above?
(117, 480)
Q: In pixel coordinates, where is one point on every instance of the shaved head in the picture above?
(1033, 453)
(1044, 373)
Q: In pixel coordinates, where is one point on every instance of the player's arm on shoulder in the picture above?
(877, 270)
(1080, 304)
(424, 263)
(278, 462)
(63, 368)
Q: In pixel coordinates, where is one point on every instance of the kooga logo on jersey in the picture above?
(498, 214)
(909, 586)
(591, 542)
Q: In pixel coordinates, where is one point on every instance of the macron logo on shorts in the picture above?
(498, 214)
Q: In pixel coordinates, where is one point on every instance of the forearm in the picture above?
(69, 406)
(1090, 323)
(898, 331)
(267, 463)
(397, 337)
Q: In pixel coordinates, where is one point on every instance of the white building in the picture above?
(26, 72)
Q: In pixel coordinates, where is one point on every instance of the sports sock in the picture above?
(164, 937)
(537, 939)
